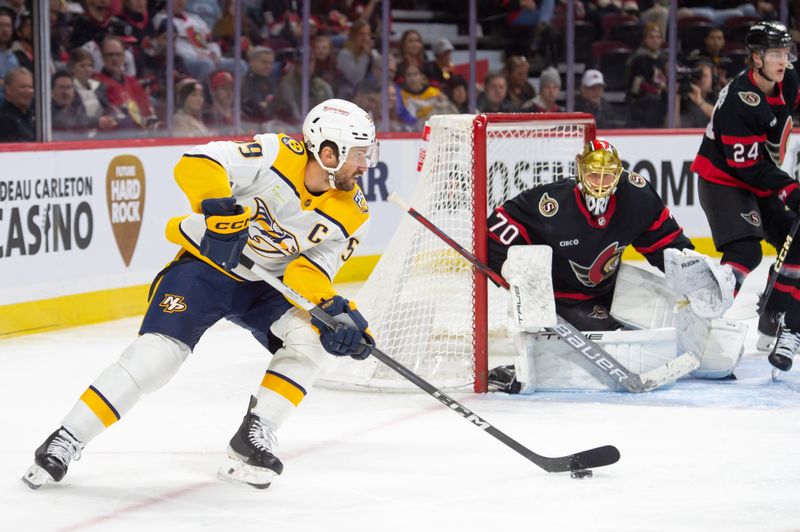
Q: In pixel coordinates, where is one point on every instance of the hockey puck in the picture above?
(581, 473)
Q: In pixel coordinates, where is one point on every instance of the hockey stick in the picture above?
(608, 366)
(777, 267)
(597, 457)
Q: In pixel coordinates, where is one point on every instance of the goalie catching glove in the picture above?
(351, 337)
(227, 231)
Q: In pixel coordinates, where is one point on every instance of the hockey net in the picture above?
(426, 305)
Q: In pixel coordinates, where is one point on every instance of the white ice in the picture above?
(695, 456)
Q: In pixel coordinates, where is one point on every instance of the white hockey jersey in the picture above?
(295, 234)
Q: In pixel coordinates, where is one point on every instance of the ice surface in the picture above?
(696, 456)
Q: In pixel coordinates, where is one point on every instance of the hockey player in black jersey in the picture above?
(588, 222)
(743, 191)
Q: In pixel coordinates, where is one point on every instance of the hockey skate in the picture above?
(768, 323)
(786, 347)
(250, 453)
(52, 458)
(503, 379)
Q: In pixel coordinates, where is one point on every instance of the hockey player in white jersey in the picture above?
(293, 208)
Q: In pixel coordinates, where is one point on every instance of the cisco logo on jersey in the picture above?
(125, 193)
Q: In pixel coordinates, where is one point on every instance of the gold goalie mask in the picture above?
(599, 169)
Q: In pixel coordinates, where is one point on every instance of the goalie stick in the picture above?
(597, 457)
(608, 366)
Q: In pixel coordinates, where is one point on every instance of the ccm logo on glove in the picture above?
(351, 337)
(226, 231)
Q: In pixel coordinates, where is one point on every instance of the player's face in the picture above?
(775, 63)
(347, 176)
(599, 180)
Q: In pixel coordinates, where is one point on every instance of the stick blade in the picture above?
(597, 457)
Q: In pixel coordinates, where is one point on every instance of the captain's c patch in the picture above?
(172, 303)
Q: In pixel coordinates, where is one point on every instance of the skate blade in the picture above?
(36, 477)
(237, 472)
(776, 374)
(765, 343)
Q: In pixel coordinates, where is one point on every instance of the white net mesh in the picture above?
(420, 299)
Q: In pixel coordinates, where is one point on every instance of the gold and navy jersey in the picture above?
(745, 141)
(303, 237)
(587, 249)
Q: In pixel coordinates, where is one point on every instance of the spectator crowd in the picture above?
(108, 62)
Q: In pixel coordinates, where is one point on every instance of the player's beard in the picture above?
(345, 182)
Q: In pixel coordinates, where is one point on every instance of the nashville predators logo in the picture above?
(361, 201)
(293, 144)
(267, 237)
(172, 303)
(636, 180)
(750, 98)
(751, 217)
(548, 206)
(603, 267)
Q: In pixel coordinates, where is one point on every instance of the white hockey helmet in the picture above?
(347, 126)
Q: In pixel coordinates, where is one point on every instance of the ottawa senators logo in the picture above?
(751, 217)
(270, 239)
(750, 98)
(603, 267)
(636, 180)
(548, 206)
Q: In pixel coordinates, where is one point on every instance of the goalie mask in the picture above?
(348, 127)
(599, 169)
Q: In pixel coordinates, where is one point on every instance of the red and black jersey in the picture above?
(745, 141)
(586, 249)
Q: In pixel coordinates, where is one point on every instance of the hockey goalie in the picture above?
(559, 245)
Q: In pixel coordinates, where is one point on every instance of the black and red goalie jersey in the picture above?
(745, 142)
(587, 248)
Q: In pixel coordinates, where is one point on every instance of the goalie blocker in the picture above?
(672, 314)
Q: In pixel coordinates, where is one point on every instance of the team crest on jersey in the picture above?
(750, 98)
(604, 266)
(172, 303)
(361, 201)
(636, 180)
(267, 237)
(548, 206)
(752, 218)
(293, 144)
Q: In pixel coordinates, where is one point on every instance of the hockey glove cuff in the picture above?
(226, 231)
(790, 196)
(351, 337)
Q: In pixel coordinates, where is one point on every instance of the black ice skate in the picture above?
(504, 379)
(52, 458)
(768, 323)
(250, 452)
(786, 347)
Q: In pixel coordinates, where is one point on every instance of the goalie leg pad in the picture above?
(642, 300)
(723, 349)
(546, 363)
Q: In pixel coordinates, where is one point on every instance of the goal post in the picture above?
(426, 305)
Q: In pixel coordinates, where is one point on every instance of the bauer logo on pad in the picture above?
(125, 195)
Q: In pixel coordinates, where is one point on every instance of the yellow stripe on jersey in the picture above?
(176, 236)
(308, 280)
(200, 178)
(100, 406)
(284, 387)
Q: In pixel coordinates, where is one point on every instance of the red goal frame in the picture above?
(480, 129)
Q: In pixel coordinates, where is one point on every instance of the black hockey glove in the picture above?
(351, 336)
(226, 231)
(790, 196)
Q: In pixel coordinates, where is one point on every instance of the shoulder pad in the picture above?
(348, 209)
